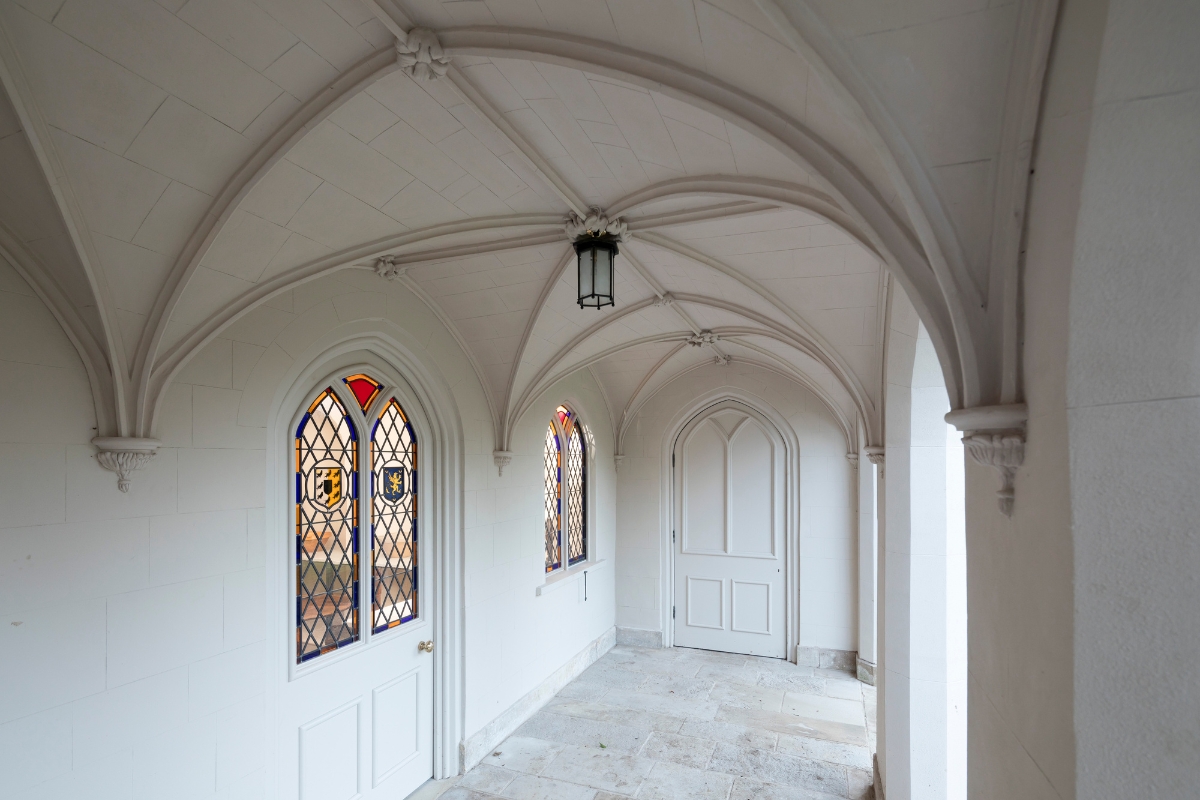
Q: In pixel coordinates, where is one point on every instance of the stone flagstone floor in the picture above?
(680, 724)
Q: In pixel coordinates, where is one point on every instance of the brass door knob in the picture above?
(426, 647)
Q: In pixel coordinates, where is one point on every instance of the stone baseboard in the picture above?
(483, 741)
(876, 781)
(825, 658)
(866, 671)
(639, 637)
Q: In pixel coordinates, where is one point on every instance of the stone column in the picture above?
(868, 527)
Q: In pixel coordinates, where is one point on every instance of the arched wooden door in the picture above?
(728, 533)
(356, 710)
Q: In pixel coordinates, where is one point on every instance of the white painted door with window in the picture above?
(356, 709)
(729, 534)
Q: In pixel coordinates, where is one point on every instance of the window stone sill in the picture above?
(564, 576)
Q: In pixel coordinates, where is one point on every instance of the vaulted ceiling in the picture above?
(170, 165)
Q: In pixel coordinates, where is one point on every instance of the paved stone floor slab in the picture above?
(682, 724)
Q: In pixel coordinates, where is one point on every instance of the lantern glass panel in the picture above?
(586, 262)
(603, 272)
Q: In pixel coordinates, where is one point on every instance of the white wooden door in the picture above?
(729, 534)
(357, 721)
(361, 727)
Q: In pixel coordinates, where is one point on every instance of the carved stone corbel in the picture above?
(994, 436)
(421, 57)
(123, 455)
(502, 458)
(596, 223)
(618, 459)
(853, 459)
(875, 456)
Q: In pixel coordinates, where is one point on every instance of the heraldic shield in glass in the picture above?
(393, 519)
(326, 529)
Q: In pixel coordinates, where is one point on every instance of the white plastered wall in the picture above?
(1132, 393)
(1020, 576)
(828, 559)
(517, 638)
(133, 636)
(132, 659)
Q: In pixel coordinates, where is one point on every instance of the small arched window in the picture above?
(576, 490)
(552, 461)
(330, 553)
(565, 480)
(393, 519)
(326, 528)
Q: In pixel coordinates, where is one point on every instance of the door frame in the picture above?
(365, 347)
(746, 402)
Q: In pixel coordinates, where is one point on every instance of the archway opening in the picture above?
(923, 583)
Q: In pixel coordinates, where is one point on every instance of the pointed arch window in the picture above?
(575, 525)
(326, 529)
(330, 496)
(552, 462)
(566, 490)
(393, 519)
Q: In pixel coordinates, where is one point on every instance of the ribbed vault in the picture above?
(768, 181)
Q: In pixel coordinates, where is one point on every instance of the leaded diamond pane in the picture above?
(553, 499)
(326, 529)
(576, 498)
(393, 519)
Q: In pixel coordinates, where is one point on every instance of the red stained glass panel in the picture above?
(364, 387)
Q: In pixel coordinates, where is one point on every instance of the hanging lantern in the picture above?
(595, 240)
(596, 255)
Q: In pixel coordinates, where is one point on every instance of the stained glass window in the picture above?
(565, 479)
(393, 519)
(576, 522)
(553, 484)
(364, 387)
(326, 529)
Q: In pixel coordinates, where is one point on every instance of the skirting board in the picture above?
(826, 658)
(866, 671)
(483, 741)
(639, 637)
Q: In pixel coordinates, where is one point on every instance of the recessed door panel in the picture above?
(751, 471)
(706, 603)
(751, 607)
(705, 492)
(329, 756)
(729, 514)
(396, 716)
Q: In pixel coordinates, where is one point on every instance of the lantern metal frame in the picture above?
(590, 243)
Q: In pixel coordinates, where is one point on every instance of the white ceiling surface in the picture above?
(942, 69)
(28, 212)
(152, 107)
(729, 39)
